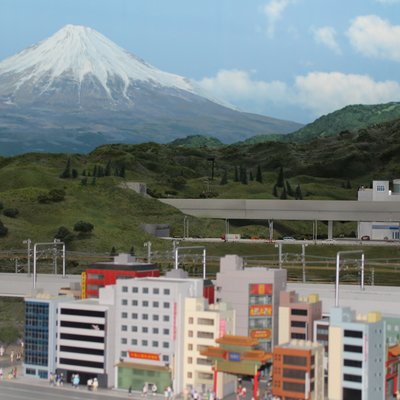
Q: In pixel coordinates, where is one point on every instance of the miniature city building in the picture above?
(149, 325)
(203, 325)
(85, 343)
(254, 295)
(380, 192)
(356, 366)
(40, 334)
(298, 371)
(124, 266)
(297, 315)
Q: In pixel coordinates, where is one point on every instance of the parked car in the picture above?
(288, 238)
(365, 237)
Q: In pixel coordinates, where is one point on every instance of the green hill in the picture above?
(350, 118)
(327, 168)
(197, 141)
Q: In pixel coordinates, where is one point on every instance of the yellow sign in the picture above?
(261, 333)
(260, 310)
(144, 356)
(83, 285)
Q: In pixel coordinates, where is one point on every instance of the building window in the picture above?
(145, 303)
(294, 387)
(190, 347)
(167, 291)
(155, 330)
(205, 321)
(156, 290)
(125, 289)
(144, 342)
(134, 342)
(205, 335)
(145, 290)
(353, 334)
(134, 302)
(352, 363)
(295, 360)
(189, 375)
(134, 328)
(135, 289)
(155, 317)
(296, 311)
(380, 188)
(145, 316)
(166, 318)
(154, 343)
(124, 341)
(124, 302)
(155, 304)
(165, 358)
(298, 336)
(124, 328)
(166, 305)
(165, 345)
(352, 349)
(190, 333)
(145, 329)
(352, 378)
(191, 320)
(124, 354)
(124, 315)
(298, 324)
(166, 331)
(294, 373)
(190, 360)
(134, 316)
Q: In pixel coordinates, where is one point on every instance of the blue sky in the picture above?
(290, 59)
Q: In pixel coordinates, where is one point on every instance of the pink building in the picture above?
(297, 315)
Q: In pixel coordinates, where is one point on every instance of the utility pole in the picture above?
(28, 243)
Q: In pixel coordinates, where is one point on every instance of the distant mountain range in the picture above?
(77, 90)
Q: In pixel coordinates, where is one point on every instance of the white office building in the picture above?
(150, 329)
(380, 192)
(85, 339)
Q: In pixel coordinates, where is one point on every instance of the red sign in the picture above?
(144, 356)
(222, 327)
(260, 310)
(260, 289)
(261, 333)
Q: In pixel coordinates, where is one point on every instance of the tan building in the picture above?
(203, 325)
(297, 315)
(298, 371)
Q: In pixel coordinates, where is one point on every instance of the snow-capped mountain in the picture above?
(77, 89)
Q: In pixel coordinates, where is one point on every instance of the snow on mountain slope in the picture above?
(77, 52)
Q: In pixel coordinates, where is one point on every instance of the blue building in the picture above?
(40, 334)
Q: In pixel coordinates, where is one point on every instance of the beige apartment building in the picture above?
(204, 324)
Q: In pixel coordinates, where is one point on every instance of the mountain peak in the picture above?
(77, 52)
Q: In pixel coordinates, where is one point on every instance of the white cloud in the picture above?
(317, 92)
(326, 35)
(273, 11)
(323, 92)
(375, 37)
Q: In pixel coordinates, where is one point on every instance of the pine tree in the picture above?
(236, 174)
(132, 251)
(74, 173)
(243, 175)
(113, 251)
(224, 179)
(275, 191)
(283, 194)
(348, 185)
(107, 171)
(298, 194)
(251, 177)
(281, 179)
(289, 189)
(259, 177)
(67, 171)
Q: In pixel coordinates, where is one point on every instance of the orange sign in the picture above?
(144, 356)
(83, 285)
(261, 333)
(260, 289)
(260, 310)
